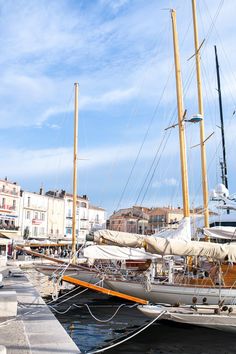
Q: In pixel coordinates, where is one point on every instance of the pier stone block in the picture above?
(8, 304)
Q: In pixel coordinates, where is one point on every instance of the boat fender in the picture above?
(224, 308)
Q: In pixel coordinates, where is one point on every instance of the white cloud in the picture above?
(46, 161)
(35, 162)
(115, 5)
(170, 182)
(120, 52)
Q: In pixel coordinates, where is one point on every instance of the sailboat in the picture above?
(209, 282)
(71, 267)
(212, 282)
(79, 268)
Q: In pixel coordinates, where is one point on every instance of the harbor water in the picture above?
(160, 337)
(90, 319)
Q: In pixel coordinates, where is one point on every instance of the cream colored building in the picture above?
(82, 215)
(34, 208)
(163, 217)
(56, 215)
(9, 208)
(97, 218)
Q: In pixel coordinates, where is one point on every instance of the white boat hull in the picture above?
(84, 275)
(205, 317)
(172, 294)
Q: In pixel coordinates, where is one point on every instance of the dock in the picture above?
(35, 329)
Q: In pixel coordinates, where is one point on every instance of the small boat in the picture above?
(220, 317)
(83, 273)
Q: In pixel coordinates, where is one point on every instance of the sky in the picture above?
(121, 54)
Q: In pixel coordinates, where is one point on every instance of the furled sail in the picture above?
(183, 232)
(116, 252)
(224, 232)
(164, 246)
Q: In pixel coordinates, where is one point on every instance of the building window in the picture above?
(35, 231)
(14, 205)
(3, 202)
(42, 230)
(14, 190)
(3, 188)
(36, 215)
(28, 214)
(83, 205)
(28, 202)
(42, 216)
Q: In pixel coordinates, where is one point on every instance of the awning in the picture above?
(4, 240)
(4, 235)
(10, 235)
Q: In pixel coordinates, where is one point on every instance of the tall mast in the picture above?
(76, 118)
(224, 167)
(200, 109)
(179, 92)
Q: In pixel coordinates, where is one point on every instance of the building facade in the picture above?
(82, 215)
(29, 215)
(97, 218)
(133, 220)
(56, 215)
(9, 208)
(34, 215)
(161, 218)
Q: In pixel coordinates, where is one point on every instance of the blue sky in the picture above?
(121, 54)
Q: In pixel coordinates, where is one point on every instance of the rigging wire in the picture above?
(210, 29)
(166, 135)
(135, 108)
(156, 161)
(145, 136)
(66, 116)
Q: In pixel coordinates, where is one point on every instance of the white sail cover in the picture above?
(183, 232)
(223, 232)
(117, 252)
(163, 246)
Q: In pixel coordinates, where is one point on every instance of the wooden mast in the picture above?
(179, 92)
(76, 118)
(200, 109)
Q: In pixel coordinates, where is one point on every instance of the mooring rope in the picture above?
(99, 320)
(126, 339)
